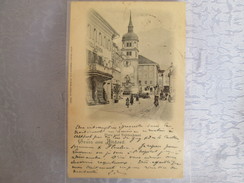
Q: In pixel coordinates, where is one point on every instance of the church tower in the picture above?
(130, 50)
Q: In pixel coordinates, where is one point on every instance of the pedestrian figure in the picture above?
(131, 100)
(161, 95)
(127, 102)
(156, 101)
(137, 97)
(166, 96)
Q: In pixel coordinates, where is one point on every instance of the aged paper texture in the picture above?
(126, 89)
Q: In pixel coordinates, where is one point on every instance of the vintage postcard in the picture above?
(126, 89)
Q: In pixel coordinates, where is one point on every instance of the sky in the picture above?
(154, 27)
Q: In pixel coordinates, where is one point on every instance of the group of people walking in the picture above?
(165, 96)
(162, 96)
(130, 101)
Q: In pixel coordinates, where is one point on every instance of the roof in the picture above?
(144, 60)
(97, 15)
(130, 36)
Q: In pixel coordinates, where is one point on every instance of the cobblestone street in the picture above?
(142, 109)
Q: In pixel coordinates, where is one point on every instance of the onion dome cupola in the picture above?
(130, 35)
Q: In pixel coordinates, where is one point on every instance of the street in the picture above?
(142, 109)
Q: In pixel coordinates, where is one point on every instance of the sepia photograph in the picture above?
(130, 64)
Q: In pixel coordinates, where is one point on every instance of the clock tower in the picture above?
(130, 50)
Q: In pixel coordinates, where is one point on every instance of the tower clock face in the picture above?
(127, 63)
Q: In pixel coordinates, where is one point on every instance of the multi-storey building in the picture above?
(100, 35)
(147, 74)
(169, 79)
(160, 79)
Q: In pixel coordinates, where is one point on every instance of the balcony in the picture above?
(100, 68)
(96, 66)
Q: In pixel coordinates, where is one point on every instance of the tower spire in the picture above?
(130, 26)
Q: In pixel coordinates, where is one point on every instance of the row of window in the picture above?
(99, 38)
(146, 82)
(129, 44)
(95, 58)
(145, 75)
(129, 53)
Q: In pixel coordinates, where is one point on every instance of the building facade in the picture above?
(161, 79)
(147, 75)
(169, 79)
(100, 35)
